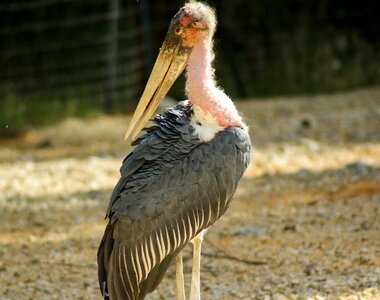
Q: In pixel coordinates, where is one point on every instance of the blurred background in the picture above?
(63, 58)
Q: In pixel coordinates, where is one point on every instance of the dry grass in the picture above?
(307, 208)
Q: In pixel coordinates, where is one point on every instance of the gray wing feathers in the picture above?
(171, 188)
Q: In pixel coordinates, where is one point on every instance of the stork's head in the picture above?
(193, 23)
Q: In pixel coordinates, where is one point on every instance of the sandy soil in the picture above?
(304, 224)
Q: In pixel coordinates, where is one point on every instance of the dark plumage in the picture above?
(172, 186)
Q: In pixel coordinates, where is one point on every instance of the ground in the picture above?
(304, 223)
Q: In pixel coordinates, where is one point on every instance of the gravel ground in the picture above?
(304, 224)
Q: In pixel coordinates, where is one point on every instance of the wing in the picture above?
(171, 188)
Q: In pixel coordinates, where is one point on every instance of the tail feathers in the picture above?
(104, 253)
(116, 281)
(155, 276)
(116, 272)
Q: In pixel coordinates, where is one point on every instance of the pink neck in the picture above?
(203, 92)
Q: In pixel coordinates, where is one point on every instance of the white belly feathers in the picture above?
(205, 125)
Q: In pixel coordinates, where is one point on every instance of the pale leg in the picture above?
(195, 292)
(179, 277)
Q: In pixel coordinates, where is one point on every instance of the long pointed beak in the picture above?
(170, 63)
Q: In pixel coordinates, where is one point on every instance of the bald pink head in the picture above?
(200, 86)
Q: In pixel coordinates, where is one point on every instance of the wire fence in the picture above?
(68, 57)
(56, 49)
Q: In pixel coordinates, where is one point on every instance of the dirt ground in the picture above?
(304, 224)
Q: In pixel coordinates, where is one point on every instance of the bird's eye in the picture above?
(198, 25)
(178, 30)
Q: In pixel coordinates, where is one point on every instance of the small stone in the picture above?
(289, 227)
(279, 297)
(358, 167)
(267, 287)
(256, 231)
(309, 269)
(365, 225)
(3, 268)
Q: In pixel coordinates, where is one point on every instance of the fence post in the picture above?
(147, 36)
(113, 15)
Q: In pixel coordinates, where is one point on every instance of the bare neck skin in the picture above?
(210, 103)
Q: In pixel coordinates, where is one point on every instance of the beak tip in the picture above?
(128, 138)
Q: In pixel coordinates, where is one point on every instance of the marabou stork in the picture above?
(182, 173)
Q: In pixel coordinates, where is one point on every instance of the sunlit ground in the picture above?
(304, 224)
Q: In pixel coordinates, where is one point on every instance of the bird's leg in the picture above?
(179, 276)
(195, 292)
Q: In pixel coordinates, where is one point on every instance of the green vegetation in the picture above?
(17, 115)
